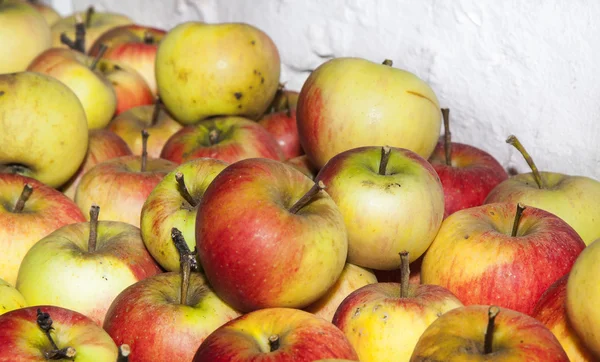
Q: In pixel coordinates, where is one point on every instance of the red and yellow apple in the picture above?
(282, 126)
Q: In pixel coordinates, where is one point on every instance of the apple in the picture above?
(132, 45)
(103, 145)
(48, 12)
(167, 316)
(383, 321)
(575, 199)
(351, 102)
(282, 126)
(492, 254)
(275, 334)
(84, 266)
(484, 333)
(393, 276)
(24, 34)
(551, 310)
(46, 332)
(79, 73)
(284, 99)
(174, 203)
(10, 298)
(50, 151)
(467, 173)
(267, 236)
(229, 139)
(130, 87)
(95, 24)
(159, 124)
(122, 185)
(225, 69)
(582, 298)
(391, 200)
(302, 164)
(352, 278)
(29, 210)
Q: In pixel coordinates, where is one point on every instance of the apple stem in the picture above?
(186, 259)
(404, 274)
(489, 333)
(183, 249)
(79, 43)
(155, 112)
(94, 212)
(518, 214)
(45, 323)
(307, 197)
(183, 190)
(99, 56)
(25, 194)
(514, 141)
(88, 16)
(124, 351)
(388, 62)
(145, 136)
(148, 38)
(385, 157)
(274, 342)
(447, 136)
(213, 136)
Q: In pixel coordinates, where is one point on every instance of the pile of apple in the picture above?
(163, 197)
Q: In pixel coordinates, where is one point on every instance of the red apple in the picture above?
(491, 254)
(303, 164)
(130, 87)
(275, 335)
(282, 125)
(229, 139)
(467, 173)
(26, 216)
(262, 243)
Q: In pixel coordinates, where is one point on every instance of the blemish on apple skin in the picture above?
(356, 312)
(466, 236)
(253, 42)
(238, 95)
(1, 93)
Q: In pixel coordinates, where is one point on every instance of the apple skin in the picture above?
(238, 138)
(24, 33)
(95, 92)
(352, 278)
(575, 199)
(552, 312)
(302, 164)
(129, 126)
(226, 69)
(236, 248)
(582, 298)
(103, 145)
(165, 209)
(303, 337)
(473, 173)
(458, 336)
(474, 251)
(284, 99)
(48, 12)
(385, 214)
(382, 326)
(120, 188)
(10, 298)
(284, 129)
(130, 87)
(49, 151)
(126, 45)
(59, 269)
(45, 211)
(21, 336)
(352, 102)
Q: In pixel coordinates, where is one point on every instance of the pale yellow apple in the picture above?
(227, 69)
(47, 11)
(10, 298)
(44, 129)
(24, 34)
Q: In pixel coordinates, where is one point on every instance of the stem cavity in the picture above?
(385, 157)
(148, 38)
(213, 136)
(94, 212)
(124, 352)
(45, 323)
(304, 200)
(447, 136)
(404, 274)
(145, 136)
(489, 333)
(518, 214)
(514, 141)
(183, 190)
(25, 194)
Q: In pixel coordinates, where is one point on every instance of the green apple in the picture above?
(50, 151)
(226, 69)
(24, 33)
(10, 298)
(352, 102)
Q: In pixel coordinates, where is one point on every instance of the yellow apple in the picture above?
(10, 298)
(47, 11)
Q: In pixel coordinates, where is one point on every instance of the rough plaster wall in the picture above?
(528, 68)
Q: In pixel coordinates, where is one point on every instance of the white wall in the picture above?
(527, 67)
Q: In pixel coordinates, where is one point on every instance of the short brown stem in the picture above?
(404, 273)
(98, 56)
(447, 136)
(45, 323)
(25, 194)
(155, 112)
(79, 43)
(388, 62)
(183, 190)
(515, 228)
(148, 38)
(489, 333)
(145, 136)
(88, 16)
(307, 197)
(213, 136)
(185, 279)
(274, 342)
(93, 238)
(183, 249)
(124, 351)
(385, 157)
(514, 141)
